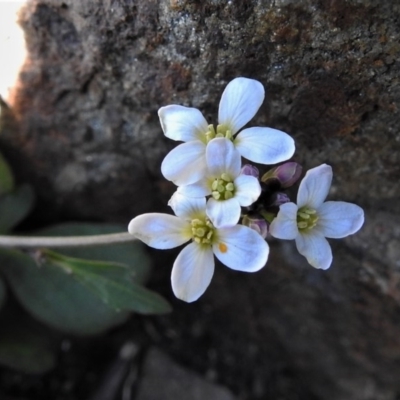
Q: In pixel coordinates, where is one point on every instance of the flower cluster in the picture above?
(215, 192)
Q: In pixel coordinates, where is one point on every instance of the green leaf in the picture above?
(55, 298)
(3, 292)
(132, 254)
(26, 345)
(112, 283)
(6, 177)
(26, 354)
(14, 207)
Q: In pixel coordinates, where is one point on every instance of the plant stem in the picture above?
(65, 241)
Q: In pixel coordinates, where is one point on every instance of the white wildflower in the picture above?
(238, 247)
(240, 101)
(312, 220)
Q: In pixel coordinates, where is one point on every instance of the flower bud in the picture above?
(279, 198)
(251, 170)
(257, 223)
(287, 174)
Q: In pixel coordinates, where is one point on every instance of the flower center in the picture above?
(222, 131)
(306, 219)
(203, 231)
(223, 188)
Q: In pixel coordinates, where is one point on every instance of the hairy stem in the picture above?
(64, 241)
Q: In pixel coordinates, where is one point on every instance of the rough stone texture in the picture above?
(86, 133)
(164, 379)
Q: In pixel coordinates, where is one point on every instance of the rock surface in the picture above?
(164, 379)
(85, 132)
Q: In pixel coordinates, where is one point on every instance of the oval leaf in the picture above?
(55, 298)
(111, 282)
(14, 207)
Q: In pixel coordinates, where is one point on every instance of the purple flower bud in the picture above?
(251, 170)
(257, 223)
(287, 174)
(279, 198)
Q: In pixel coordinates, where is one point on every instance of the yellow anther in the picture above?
(214, 185)
(228, 195)
(302, 225)
(200, 232)
(303, 215)
(225, 177)
(309, 211)
(216, 195)
(230, 186)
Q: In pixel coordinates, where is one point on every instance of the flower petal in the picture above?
(161, 231)
(222, 157)
(240, 102)
(241, 248)
(284, 226)
(187, 207)
(265, 145)
(315, 186)
(338, 219)
(185, 164)
(247, 189)
(192, 272)
(200, 188)
(315, 248)
(223, 213)
(182, 123)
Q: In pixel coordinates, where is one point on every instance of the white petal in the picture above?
(222, 157)
(187, 207)
(200, 188)
(182, 123)
(185, 164)
(161, 231)
(192, 272)
(284, 226)
(338, 219)
(247, 189)
(315, 187)
(223, 213)
(265, 145)
(241, 248)
(240, 102)
(315, 248)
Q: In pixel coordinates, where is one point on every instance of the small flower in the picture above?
(240, 101)
(312, 220)
(227, 187)
(238, 247)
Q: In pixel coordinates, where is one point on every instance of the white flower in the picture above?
(312, 219)
(238, 247)
(240, 101)
(229, 189)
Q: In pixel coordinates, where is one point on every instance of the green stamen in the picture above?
(223, 188)
(202, 231)
(306, 219)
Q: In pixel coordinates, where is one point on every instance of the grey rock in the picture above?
(163, 379)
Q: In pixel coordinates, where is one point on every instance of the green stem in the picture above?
(65, 241)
